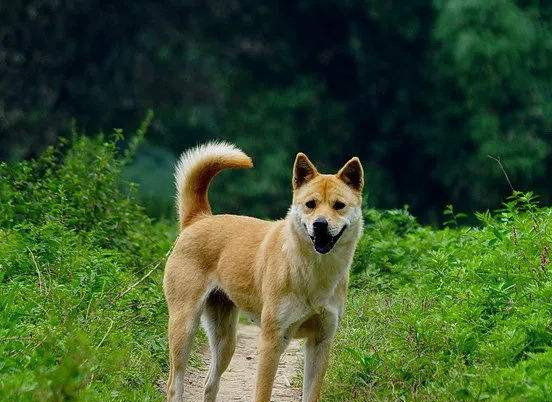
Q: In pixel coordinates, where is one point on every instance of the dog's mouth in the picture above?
(324, 241)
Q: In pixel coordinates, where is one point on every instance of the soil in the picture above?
(238, 381)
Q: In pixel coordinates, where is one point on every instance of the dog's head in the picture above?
(326, 206)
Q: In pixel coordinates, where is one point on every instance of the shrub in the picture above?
(81, 306)
(455, 314)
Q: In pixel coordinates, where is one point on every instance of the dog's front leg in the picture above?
(317, 350)
(272, 344)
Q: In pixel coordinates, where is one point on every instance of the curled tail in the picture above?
(195, 170)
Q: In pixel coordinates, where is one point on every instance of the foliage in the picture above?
(461, 313)
(82, 314)
(421, 90)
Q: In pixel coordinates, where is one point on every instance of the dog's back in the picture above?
(214, 240)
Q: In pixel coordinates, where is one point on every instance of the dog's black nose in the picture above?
(320, 225)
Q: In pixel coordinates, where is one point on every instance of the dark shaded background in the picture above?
(421, 90)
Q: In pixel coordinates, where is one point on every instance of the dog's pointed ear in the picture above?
(303, 170)
(352, 174)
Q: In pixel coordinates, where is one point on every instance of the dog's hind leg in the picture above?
(182, 329)
(185, 300)
(220, 320)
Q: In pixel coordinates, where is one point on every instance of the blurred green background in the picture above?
(423, 91)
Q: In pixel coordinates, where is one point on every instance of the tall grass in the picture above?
(80, 319)
(463, 313)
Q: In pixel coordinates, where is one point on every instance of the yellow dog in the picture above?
(290, 275)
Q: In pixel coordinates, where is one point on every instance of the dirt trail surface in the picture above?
(238, 381)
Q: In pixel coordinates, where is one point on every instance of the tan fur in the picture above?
(270, 270)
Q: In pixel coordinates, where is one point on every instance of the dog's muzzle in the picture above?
(322, 239)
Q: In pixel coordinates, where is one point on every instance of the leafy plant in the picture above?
(82, 315)
(461, 313)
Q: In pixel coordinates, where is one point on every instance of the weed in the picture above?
(464, 313)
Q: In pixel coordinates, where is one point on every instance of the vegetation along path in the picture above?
(238, 381)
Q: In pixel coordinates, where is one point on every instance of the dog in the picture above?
(290, 275)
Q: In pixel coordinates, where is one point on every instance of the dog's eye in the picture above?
(310, 204)
(338, 205)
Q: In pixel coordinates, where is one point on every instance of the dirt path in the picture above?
(239, 379)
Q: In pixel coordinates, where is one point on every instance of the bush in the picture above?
(82, 314)
(460, 313)
(452, 314)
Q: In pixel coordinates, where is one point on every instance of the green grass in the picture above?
(452, 314)
(73, 243)
(462, 313)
